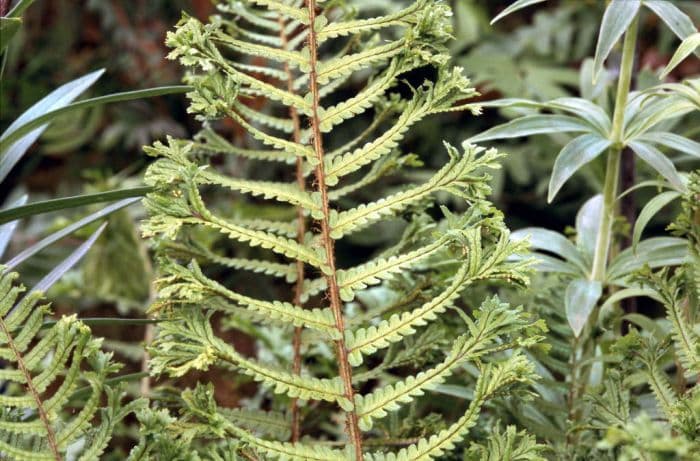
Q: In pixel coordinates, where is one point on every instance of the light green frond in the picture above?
(346, 65)
(402, 17)
(277, 123)
(478, 265)
(210, 142)
(293, 58)
(272, 72)
(284, 451)
(182, 285)
(285, 192)
(495, 321)
(235, 29)
(190, 344)
(365, 99)
(258, 266)
(300, 14)
(253, 17)
(493, 378)
(376, 270)
(41, 370)
(457, 177)
(428, 99)
(279, 143)
(381, 168)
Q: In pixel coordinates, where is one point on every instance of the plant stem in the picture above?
(612, 171)
(333, 291)
(301, 232)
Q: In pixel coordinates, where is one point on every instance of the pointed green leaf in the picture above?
(60, 97)
(580, 300)
(649, 211)
(658, 161)
(675, 19)
(533, 124)
(672, 141)
(687, 47)
(617, 18)
(8, 29)
(515, 6)
(572, 157)
(588, 223)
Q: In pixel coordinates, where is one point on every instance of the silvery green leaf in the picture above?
(580, 300)
(60, 97)
(572, 157)
(658, 161)
(687, 47)
(533, 124)
(617, 18)
(515, 6)
(649, 211)
(588, 223)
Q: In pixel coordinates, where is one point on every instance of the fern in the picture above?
(254, 51)
(43, 370)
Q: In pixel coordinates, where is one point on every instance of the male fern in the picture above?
(295, 57)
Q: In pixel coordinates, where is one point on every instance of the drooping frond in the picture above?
(476, 266)
(41, 372)
(495, 320)
(493, 378)
(189, 343)
(457, 177)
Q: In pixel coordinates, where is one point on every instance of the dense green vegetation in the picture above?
(372, 230)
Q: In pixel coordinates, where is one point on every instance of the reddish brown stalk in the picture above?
(301, 232)
(51, 437)
(345, 369)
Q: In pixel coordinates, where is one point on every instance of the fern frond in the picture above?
(493, 378)
(494, 320)
(477, 266)
(189, 285)
(403, 17)
(457, 177)
(429, 99)
(42, 372)
(344, 66)
(190, 344)
(294, 58)
(210, 142)
(300, 14)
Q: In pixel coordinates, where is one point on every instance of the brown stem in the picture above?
(4, 7)
(32, 390)
(333, 292)
(301, 232)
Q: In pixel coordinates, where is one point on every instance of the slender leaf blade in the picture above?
(686, 48)
(7, 229)
(658, 161)
(617, 18)
(66, 265)
(588, 223)
(580, 299)
(47, 206)
(676, 20)
(54, 237)
(572, 157)
(60, 97)
(672, 141)
(531, 125)
(515, 6)
(649, 211)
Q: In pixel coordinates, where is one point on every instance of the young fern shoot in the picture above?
(296, 56)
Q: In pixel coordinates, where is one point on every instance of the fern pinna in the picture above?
(296, 56)
(54, 382)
